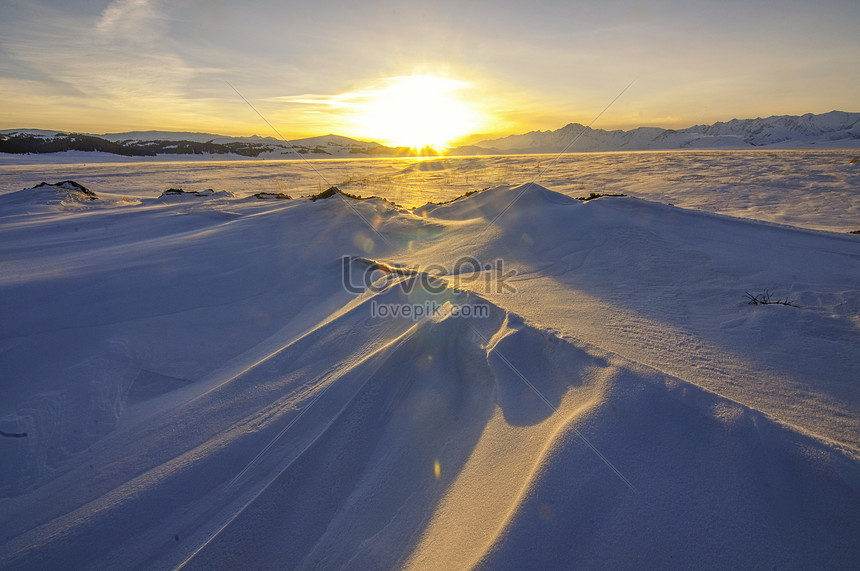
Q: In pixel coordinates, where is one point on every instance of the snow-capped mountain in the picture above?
(152, 143)
(176, 136)
(836, 129)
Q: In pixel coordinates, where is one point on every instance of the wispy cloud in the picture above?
(310, 64)
(127, 18)
(120, 65)
(315, 100)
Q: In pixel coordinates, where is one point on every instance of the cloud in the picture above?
(117, 63)
(127, 18)
(529, 69)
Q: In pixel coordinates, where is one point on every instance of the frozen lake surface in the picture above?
(810, 189)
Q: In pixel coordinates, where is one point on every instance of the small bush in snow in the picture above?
(765, 298)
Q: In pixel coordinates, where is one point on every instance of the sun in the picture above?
(416, 111)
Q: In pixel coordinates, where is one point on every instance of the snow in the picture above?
(836, 129)
(309, 147)
(832, 130)
(199, 389)
(811, 189)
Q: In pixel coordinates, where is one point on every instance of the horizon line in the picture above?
(473, 136)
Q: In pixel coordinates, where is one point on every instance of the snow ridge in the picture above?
(198, 387)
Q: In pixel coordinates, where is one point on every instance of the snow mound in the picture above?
(497, 437)
(67, 193)
(77, 190)
(256, 384)
(335, 191)
(496, 202)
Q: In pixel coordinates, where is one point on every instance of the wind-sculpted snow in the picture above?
(211, 384)
(67, 193)
(496, 203)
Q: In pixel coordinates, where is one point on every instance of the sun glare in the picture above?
(416, 111)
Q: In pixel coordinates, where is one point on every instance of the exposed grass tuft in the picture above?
(594, 195)
(271, 195)
(765, 298)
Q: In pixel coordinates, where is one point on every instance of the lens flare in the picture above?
(417, 111)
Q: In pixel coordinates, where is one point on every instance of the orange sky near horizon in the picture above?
(418, 74)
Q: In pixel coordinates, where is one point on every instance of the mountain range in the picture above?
(154, 143)
(836, 129)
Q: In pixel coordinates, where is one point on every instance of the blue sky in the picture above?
(101, 66)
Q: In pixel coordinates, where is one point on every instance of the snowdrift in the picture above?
(201, 386)
(67, 193)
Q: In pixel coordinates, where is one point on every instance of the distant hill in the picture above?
(836, 129)
(153, 143)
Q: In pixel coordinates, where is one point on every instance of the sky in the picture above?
(488, 68)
